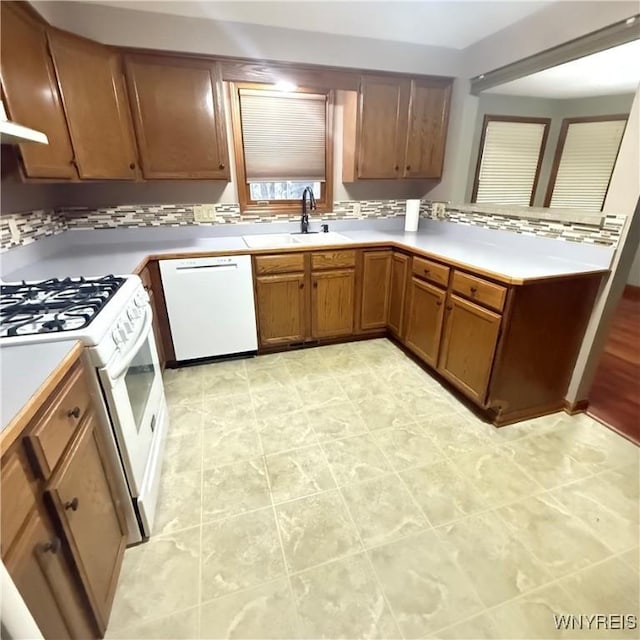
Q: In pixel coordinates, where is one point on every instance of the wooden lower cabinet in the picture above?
(374, 308)
(332, 303)
(282, 309)
(397, 292)
(468, 347)
(424, 320)
(82, 497)
(41, 573)
(152, 283)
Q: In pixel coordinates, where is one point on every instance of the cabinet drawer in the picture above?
(279, 263)
(332, 259)
(487, 293)
(431, 271)
(17, 495)
(51, 435)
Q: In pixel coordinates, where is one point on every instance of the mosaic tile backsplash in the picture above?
(21, 229)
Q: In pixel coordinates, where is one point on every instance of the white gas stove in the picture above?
(113, 318)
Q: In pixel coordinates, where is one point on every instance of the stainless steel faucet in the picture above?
(304, 219)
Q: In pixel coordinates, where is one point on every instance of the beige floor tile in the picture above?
(183, 386)
(290, 431)
(309, 368)
(183, 453)
(264, 612)
(407, 446)
(228, 412)
(224, 378)
(222, 446)
(179, 502)
(546, 460)
(632, 558)
(495, 476)
(344, 362)
(177, 626)
(185, 418)
(481, 627)
(298, 473)
(608, 587)
(321, 396)
(480, 545)
(240, 552)
(273, 377)
(316, 529)
(559, 542)
(158, 577)
(422, 403)
(362, 385)
(424, 587)
(456, 435)
(608, 503)
(234, 488)
(336, 421)
(355, 459)
(382, 411)
(383, 510)
(342, 600)
(532, 615)
(276, 402)
(442, 492)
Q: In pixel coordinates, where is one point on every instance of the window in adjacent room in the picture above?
(282, 144)
(585, 157)
(511, 151)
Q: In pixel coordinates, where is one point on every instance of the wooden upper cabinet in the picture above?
(94, 97)
(382, 126)
(424, 320)
(82, 496)
(376, 269)
(31, 93)
(470, 340)
(397, 292)
(179, 117)
(426, 128)
(332, 303)
(282, 308)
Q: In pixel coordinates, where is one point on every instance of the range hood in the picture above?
(14, 133)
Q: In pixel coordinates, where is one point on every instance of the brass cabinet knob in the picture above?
(54, 545)
(221, 165)
(132, 166)
(474, 290)
(301, 285)
(438, 302)
(74, 413)
(72, 504)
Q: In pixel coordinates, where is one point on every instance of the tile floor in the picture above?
(341, 492)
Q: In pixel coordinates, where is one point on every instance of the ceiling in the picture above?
(608, 72)
(446, 23)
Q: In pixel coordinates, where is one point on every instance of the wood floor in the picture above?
(615, 395)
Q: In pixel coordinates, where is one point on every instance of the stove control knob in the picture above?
(115, 335)
(140, 301)
(131, 313)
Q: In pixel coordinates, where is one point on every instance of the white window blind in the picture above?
(283, 135)
(509, 162)
(588, 156)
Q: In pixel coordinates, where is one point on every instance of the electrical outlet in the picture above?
(15, 231)
(437, 209)
(357, 207)
(204, 213)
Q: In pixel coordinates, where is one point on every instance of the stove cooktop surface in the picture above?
(54, 305)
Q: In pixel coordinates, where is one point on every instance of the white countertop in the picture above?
(506, 254)
(23, 370)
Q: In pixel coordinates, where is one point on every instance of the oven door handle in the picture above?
(123, 365)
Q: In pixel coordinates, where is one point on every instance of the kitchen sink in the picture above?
(268, 240)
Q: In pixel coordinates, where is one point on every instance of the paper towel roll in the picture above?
(412, 215)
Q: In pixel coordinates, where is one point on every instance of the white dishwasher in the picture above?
(210, 306)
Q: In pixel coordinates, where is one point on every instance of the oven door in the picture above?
(132, 384)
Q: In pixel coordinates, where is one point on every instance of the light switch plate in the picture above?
(437, 208)
(204, 213)
(15, 231)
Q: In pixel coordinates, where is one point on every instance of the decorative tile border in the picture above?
(34, 225)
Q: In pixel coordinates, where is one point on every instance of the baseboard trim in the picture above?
(572, 408)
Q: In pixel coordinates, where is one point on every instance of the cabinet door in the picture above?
(178, 117)
(89, 514)
(376, 269)
(470, 339)
(41, 574)
(147, 283)
(427, 128)
(31, 94)
(382, 118)
(397, 291)
(332, 303)
(93, 93)
(424, 320)
(281, 302)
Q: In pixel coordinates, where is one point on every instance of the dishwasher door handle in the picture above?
(206, 267)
